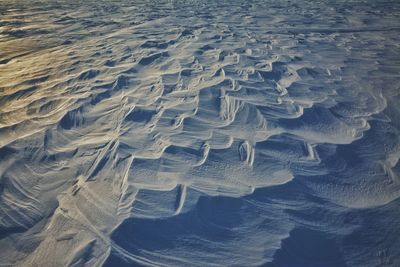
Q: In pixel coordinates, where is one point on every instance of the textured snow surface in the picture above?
(200, 133)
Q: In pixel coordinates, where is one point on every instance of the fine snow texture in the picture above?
(200, 133)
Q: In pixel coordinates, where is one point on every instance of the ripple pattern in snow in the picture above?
(199, 133)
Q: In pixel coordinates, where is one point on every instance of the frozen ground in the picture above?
(200, 133)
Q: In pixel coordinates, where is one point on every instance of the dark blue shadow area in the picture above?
(308, 248)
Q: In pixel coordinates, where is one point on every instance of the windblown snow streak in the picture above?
(199, 133)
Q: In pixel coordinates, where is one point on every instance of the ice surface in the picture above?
(200, 133)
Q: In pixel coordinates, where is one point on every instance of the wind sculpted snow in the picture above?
(199, 133)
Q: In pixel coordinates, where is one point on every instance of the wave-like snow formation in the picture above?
(200, 133)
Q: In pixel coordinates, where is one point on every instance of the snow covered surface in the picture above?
(200, 133)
